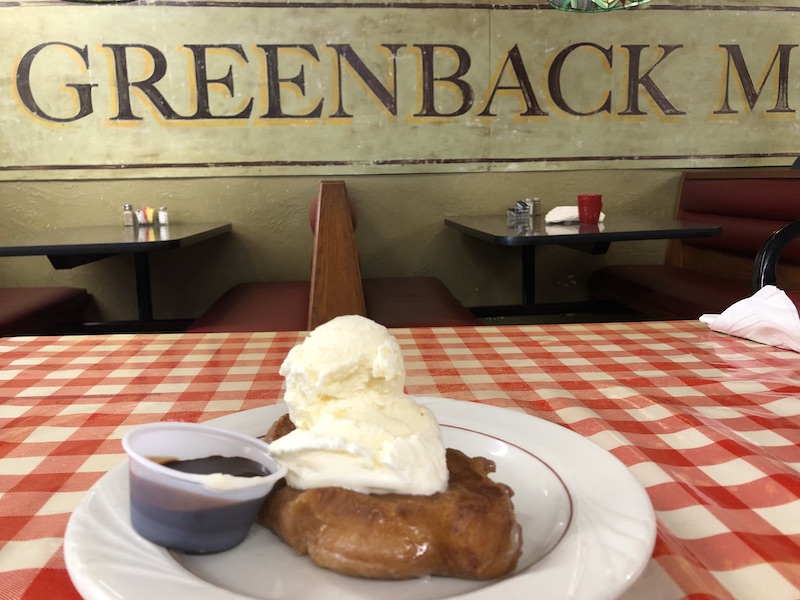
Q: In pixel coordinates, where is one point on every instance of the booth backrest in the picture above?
(749, 204)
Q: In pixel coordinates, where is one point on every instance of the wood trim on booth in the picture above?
(336, 286)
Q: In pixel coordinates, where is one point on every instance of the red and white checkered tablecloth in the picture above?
(709, 424)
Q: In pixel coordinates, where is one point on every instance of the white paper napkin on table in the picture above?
(768, 316)
(565, 214)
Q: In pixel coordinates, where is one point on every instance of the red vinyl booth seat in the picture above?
(257, 306)
(414, 302)
(283, 306)
(40, 310)
(706, 275)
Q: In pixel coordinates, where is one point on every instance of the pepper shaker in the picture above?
(163, 216)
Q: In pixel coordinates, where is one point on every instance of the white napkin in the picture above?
(768, 316)
(565, 214)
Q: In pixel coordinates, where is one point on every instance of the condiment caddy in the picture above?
(144, 217)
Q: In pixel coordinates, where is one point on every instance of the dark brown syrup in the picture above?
(229, 465)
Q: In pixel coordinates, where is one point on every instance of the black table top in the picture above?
(106, 239)
(615, 228)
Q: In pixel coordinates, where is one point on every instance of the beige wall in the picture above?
(400, 232)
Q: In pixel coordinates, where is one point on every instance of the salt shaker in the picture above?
(163, 216)
(534, 206)
(127, 215)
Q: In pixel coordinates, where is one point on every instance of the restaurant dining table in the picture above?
(529, 232)
(707, 424)
(69, 247)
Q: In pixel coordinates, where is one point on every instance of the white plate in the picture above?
(588, 527)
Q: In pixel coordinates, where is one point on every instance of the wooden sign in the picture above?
(259, 88)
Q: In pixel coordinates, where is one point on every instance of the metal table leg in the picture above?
(528, 276)
(144, 296)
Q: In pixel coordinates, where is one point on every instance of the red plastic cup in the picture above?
(589, 207)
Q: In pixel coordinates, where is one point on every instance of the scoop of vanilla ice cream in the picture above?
(355, 427)
(346, 357)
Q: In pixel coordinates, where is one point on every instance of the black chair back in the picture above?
(765, 267)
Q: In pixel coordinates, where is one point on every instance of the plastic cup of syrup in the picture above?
(205, 511)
